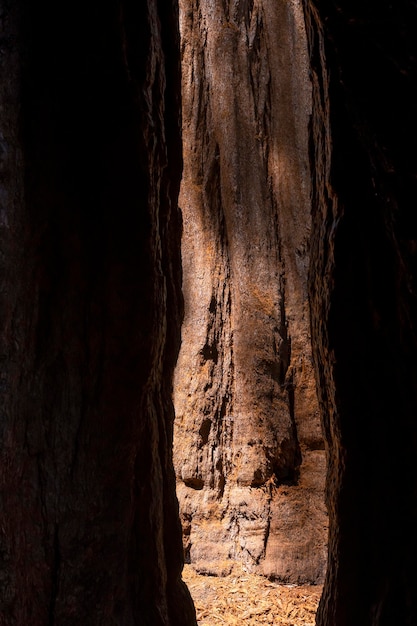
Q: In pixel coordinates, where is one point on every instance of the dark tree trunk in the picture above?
(363, 301)
(91, 311)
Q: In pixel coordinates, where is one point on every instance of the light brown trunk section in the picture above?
(249, 454)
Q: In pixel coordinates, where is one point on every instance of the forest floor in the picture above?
(251, 600)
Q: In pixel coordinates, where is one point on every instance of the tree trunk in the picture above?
(91, 311)
(249, 453)
(363, 302)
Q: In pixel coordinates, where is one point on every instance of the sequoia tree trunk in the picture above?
(90, 314)
(249, 453)
(363, 295)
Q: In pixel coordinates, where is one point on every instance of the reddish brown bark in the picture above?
(249, 452)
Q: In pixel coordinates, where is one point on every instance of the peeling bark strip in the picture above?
(249, 453)
(90, 314)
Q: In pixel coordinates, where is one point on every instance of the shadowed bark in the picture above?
(363, 302)
(91, 311)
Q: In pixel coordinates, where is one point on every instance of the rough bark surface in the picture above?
(249, 453)
(363, 295)
(90, 314)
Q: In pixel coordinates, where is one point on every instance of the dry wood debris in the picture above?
(251, 600)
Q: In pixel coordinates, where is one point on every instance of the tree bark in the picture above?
(363, 302)
(91, 312)
(249, 453)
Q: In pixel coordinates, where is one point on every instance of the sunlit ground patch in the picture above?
(250, 599)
